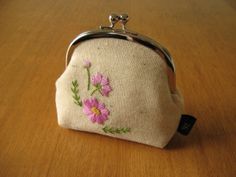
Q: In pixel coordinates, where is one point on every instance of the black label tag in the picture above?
(186, 124)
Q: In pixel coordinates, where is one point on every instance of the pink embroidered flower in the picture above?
(96, 111)
(87, 64)
(101, 84)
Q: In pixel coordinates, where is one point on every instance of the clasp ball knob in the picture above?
(124, 18)
(113, 18)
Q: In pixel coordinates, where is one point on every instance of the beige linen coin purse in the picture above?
(120, 84)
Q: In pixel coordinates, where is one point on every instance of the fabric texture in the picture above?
(133, 99)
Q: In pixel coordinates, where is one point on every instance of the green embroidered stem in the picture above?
(113, 130)
(75, 91)
(88, 72)
(97, 88)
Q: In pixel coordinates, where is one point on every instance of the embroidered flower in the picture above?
(96, 111)
(101, 84)
(87, 64)
(92, 108)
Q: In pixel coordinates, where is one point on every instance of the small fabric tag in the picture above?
(186, 124)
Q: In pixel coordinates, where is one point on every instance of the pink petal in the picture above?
(106, 90)
(87, 103)
(105, 112)
(94, 102)
(104, 118)
(96, 117)
(104, 81)
(100, 120)
(96, 79)
(86, 110)
(101, 106)
(93, 118)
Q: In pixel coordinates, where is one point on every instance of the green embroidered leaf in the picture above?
(113, 130)
(75, 93)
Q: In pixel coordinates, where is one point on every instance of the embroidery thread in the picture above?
(113, 130)
(96, 111)
(75, 92)
(101, 84)
(87, 65)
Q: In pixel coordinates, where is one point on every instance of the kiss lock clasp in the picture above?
(114, 18)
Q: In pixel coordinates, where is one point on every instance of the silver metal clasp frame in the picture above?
(124, 34)
(114, 19)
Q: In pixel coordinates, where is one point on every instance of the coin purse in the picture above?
(120, 84)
